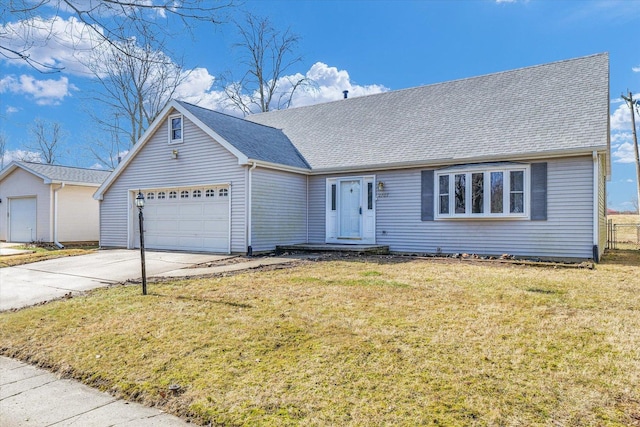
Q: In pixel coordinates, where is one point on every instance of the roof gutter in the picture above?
(465, 160)
(55, 216)
(79, 184)
(271, 165)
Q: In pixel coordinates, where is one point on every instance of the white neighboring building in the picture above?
(49, 203)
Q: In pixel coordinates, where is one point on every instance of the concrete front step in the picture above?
(328, 247)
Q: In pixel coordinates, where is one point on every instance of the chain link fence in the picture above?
(622, 235)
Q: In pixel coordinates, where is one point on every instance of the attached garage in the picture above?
(185, 218)
(22, 219)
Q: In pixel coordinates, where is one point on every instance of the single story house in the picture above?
(501, 163)
(49, 203)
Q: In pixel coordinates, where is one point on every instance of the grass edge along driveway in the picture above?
(392, 341)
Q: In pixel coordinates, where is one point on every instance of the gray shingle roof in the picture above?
(66, 173)
(254, 140)
(527, 111)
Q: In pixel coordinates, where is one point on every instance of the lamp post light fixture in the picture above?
(140, 205)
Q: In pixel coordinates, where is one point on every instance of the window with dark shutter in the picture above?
(427, 196)
(538, 191)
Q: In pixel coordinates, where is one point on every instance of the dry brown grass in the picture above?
(43, 254)
(360, 342)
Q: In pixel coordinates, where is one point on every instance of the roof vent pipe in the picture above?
(346, 93)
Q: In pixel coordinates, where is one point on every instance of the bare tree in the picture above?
(47, 141)
(114, 22)
(131, 86)
(267, 54)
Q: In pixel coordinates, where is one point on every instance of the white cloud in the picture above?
(22, 155)
(636, 69)
(506, 1)
(624, 153)
(328, 84)
(10, 109)
(196, 88)
(621, 118)
(44, 92)
(55, 42)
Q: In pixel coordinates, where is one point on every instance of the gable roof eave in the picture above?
(172, 105)
(449, 161)
(15, 165)
(280, 167)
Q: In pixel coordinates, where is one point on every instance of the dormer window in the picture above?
(175, 129)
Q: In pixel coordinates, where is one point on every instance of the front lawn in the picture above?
(378, 341)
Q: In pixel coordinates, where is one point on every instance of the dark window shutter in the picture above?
(539, 191)
(427, 196)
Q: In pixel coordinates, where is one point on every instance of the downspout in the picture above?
(307, 210)
(250, 197)
(596, 208)
(55, 217)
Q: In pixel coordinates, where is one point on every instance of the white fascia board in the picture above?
(7, 170)
(77, 184)
(15, 165)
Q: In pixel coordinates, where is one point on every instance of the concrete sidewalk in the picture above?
(31, 396)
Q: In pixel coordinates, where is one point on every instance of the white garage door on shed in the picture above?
(186, 219)
(22, 219)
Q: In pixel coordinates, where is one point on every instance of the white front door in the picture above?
(350, 209)
(22, 219)
(350, 213)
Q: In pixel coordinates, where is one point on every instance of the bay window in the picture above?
(485, 192)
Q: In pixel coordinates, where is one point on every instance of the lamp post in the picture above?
(140, 205)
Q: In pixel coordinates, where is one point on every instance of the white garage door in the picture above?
(22, 220)
(187, 219)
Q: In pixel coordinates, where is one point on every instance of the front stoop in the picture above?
(328, 247)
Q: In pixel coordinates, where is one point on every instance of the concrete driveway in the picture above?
(30, 284)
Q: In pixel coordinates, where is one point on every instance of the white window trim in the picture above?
(486, 214)
(170, 135)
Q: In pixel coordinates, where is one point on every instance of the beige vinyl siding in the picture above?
(21, 183)
(279, 209)
(78, 214)
(201, 160)
(567, 232)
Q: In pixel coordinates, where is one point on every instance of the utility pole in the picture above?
(631, 103)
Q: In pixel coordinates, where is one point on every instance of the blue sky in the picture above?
(365, 47)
